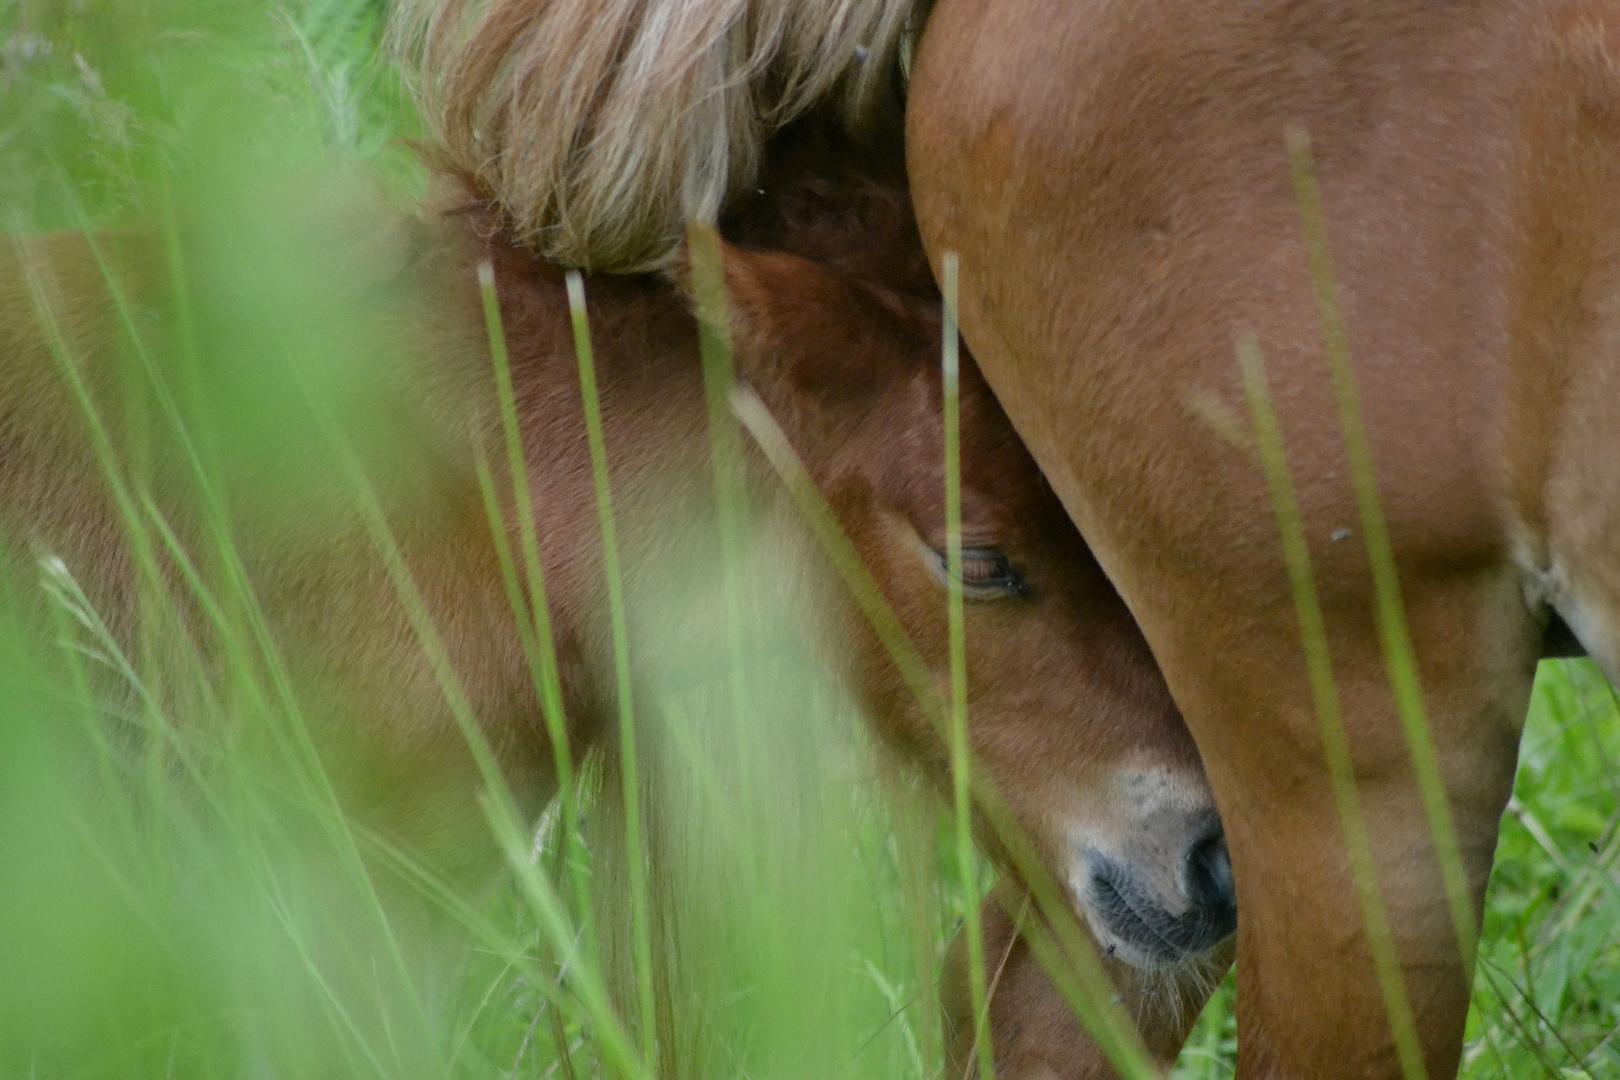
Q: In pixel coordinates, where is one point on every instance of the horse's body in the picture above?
(1116, 179)
(836, 327)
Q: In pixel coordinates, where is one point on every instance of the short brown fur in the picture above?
(1118, 184)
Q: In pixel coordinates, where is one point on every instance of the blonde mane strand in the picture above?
(600, 127)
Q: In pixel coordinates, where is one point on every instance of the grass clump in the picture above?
(184, 899)
(181, 893)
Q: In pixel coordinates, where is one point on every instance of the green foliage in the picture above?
(186, 901)
(102, 99)
(180, 894)
(1547, 995)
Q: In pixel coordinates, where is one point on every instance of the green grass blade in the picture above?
(725, 443)
(1335, 740)
(535, 626)
(960, 764)
(1399, 656)
(635, 856)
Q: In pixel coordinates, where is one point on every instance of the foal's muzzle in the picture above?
(1154, 911)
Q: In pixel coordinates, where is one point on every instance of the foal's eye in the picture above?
(986, 575)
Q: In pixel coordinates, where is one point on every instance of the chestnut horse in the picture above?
(1118, 180)
(836, 324)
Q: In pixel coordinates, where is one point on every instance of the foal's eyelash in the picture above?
(987, 574)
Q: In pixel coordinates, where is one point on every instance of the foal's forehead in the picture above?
(998, 475)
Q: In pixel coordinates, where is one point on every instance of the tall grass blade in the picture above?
(1335, 740)
(107, 457)
(635, 854)
(1399, 656)
(960, 763)
(725, 449)
(534, 614)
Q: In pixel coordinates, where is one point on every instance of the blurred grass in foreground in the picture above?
(179, 894)
(156, 921)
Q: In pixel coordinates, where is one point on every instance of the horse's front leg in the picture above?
(1311, 999)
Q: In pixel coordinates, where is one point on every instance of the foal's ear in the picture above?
(808, 339)
(730, 290)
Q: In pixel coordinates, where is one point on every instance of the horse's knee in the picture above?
(1332, 832)
(1324, 899)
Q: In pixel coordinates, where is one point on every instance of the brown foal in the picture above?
(836, 325)
(1117, 180)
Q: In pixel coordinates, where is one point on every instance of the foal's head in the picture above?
(1068, 713)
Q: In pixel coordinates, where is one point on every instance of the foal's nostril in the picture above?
(1156, 921)
(1207, 874)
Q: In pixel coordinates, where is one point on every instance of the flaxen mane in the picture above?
(599, 127)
